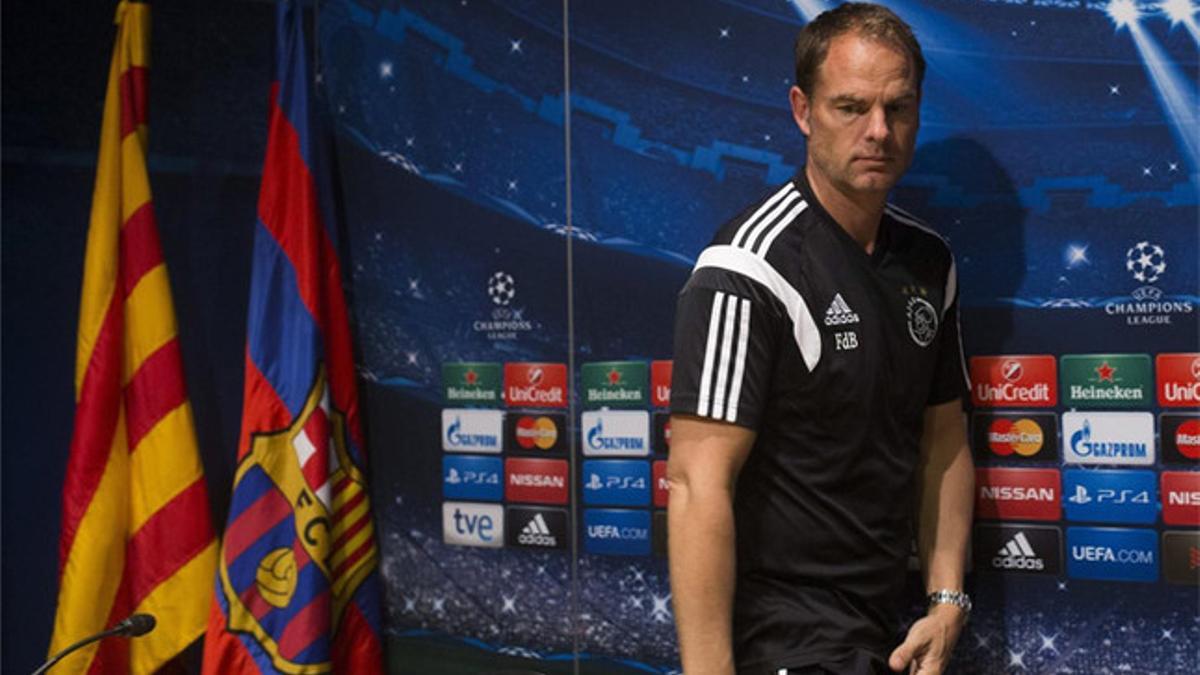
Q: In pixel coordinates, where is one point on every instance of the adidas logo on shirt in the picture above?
(839, 313)
(537, 533)
(1017, 554)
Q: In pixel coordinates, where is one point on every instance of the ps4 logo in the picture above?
(1109, 496)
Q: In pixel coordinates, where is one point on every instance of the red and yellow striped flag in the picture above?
(136, 533)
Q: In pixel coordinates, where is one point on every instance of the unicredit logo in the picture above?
(1014, 381)
(1011, 370)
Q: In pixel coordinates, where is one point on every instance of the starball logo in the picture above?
(1147, 305)
(535, 385)
(1014, 381)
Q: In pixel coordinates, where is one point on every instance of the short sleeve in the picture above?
(949, 371)
(726, 337)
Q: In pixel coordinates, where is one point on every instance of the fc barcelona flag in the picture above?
(297, 585)
(136, 534)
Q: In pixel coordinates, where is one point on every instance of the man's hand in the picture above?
(927, 647)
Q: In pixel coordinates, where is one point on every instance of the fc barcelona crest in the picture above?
(299, 540)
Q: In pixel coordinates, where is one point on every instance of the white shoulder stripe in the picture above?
(710, 348)
(739, 362)
(778, 229)
(719, 391)
(770, 219)
(753, 219)
(741, 261)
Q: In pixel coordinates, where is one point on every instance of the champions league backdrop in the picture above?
(517, 355)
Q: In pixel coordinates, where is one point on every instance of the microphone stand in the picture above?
(126, 627)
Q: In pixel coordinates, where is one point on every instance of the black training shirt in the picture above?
(788, 327)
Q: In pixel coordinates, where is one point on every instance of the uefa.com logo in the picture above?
(1148, 305)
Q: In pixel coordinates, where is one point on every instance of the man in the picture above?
(816, 395)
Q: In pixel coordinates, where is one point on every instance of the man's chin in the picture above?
(874, 182)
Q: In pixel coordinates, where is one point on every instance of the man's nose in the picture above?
(878, 124)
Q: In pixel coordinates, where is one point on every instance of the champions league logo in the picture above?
(1147, 305)
(505, 323)
(284, 575)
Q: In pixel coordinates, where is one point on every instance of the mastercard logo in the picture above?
(1022, 436)
(540, 432)
(1187, 439)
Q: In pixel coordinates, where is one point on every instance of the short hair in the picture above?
(868, 20)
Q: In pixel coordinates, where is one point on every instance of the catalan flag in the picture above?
(136, 534)
(297, 584)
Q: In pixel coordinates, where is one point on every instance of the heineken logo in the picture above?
(618, 384)
(471, 382)
(1106, 380)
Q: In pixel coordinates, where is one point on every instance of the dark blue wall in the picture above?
(209, 77)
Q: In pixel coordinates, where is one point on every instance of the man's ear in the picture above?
(801, 109)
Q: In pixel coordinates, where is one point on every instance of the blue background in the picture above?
(1047, 152)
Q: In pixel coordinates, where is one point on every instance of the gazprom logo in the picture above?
(468, 430)
(1108, 438)
(622, 433)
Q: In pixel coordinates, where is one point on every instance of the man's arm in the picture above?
(945, 494)
(702, 470)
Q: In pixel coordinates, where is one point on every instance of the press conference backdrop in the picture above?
(519, 448)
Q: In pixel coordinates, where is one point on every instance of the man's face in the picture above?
(862, 118)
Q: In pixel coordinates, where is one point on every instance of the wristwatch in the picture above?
(946, 596)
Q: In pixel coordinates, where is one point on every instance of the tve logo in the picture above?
(535, 385)
(537, 481)
(533, 527)
(1017, 494)
(1178, 380)
(467, 430)
(1031, 549)
(1180, 434)
(662, 489)
(1110, 496)
(472, 478)
(1181, 497)
(616, 531)
(608, 433)
(1014, 381)
(466, 524)
(660, 383)
(1115, 438)
(1112, 554)
(1016, 436)
(616, 482)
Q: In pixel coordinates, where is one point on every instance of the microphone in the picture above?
(135, 625)
(138, 624)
